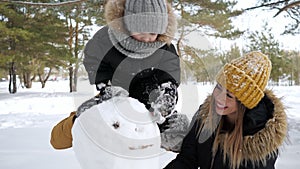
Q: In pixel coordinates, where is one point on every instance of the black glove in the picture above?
(173, 130)
(87, 104)
(164, 99)
(175, 123)
(106, 92)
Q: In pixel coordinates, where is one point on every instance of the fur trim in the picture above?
(114, 11)
(265, 143)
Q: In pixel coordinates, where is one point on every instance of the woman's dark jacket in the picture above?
(264, 131)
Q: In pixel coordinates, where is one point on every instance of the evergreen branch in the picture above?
(291, 5)
(43, 4)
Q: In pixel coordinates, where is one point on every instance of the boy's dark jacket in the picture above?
(104, 62)
(265, 129)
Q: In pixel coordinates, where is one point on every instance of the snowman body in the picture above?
(117, 134)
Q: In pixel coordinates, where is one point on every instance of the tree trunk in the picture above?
(297, 71)
(71, 78)
(75, 77)
(42, 79)
(70, 43)
(12, 86)
(43, 84)
(76, 53)
(28, 80)
(297, 82)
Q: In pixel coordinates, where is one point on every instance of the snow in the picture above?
(27, 118)
(140, 139)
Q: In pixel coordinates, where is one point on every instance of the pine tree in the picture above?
(267, 44)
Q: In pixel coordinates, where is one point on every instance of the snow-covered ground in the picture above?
(27, 117)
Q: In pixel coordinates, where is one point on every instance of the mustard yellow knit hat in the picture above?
(246, 77)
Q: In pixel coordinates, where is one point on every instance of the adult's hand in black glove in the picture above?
(173, 130)
(175, 123)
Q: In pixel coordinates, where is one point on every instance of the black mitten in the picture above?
(165, 98)
(173, 130)
(175, 123)
(106, 92)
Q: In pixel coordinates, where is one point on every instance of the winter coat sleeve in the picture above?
(94, 54)
(168, 78)
(170, 64)
(187, 158)
(61, 135)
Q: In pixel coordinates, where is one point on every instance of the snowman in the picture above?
(119, 133)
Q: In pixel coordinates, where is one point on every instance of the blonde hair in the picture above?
(231, 142)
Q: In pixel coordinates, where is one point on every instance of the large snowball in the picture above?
(117, 134)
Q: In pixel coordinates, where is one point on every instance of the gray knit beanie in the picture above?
(146, 16)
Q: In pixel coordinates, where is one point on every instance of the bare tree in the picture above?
(44, 4)
(288, 6)
(291, 9)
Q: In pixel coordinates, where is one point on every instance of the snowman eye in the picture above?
(116, 125)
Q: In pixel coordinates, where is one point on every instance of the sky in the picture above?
(27, 117)
(255, 19)
(250, 21)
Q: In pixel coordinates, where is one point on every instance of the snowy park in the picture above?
(52, 51)
(27, 118)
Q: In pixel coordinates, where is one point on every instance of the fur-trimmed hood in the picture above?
(114, 11)
(261, 144)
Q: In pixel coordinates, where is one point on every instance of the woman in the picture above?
(241, 125)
